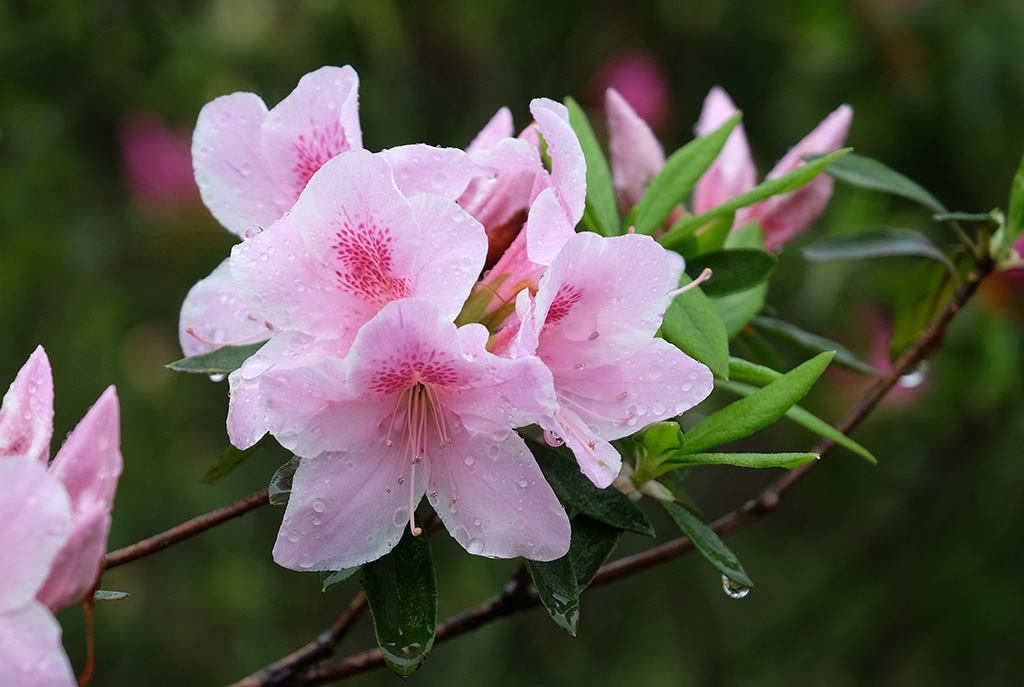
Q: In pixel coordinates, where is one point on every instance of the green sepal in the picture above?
(402, 596)
(694, 326)
(679, 175)
(709, 544)
(224, 360)
(766, 189)
(744, 417)
(573, 488)
(601, 214)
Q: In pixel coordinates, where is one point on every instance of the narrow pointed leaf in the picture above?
(222, 361)
(230, 459)
(592, 542)
(760, 409)
(709, 544)
(693, 325)
(681, 172)
(875, 242)
(572, 488)
(106, 595)
(808, 420)
(811, 343)
(743, 460)
(558, 590)
(331, 579)
(766, 189)
(402, 595)
(732, 270)
(867, 173)
(601, 214)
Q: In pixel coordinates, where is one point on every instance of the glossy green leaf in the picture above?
(331, 579)
(558, 590)
(678, 177)
(875, 242)
(230, 459)
(693, 325)
(573, 488)
(101, 595)
(811, 343)
(661, 437)
(744, 417)
(222, 361)
(924, 294)
(402, 596)
(592, 542)
(743, 460)
(281, 482)
(766, 189)
(806, 419)
(867, 173)
(601, 214)
(709, 544)
(732, 270)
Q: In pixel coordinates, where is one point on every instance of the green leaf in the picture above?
(709, 544)
(760, 409)
(660, 438)
(331, 579)
(101, 595)
(732, 270)
(601, 214)
(875, 242)
(230, 459)
(281, 482)
(807, 420)
(766, 189)
(743, 460)
(592, 542)
(573, 488)
(811, 343)
(222, 361)
(681, 172)
(693, 325)
(1015, 215)
(402, 595)
(924, 294)
(867, 173)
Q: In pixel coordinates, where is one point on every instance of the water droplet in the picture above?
(401, 517)
(478, 522)
(658, 408)
(494, 450)
(218, 377)
(253, 231)
(475, 546)
(306, 562)
(319, 505)
(294, 536)
(469, 460)
(915, 377)
(552, 439)
(523, 484)
(734, 589)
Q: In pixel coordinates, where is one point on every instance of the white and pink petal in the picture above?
(26, 413)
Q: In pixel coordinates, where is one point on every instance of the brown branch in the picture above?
(517, 596)
(185, 530)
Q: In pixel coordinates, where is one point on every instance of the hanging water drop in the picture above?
(218, 377)
(734, 589)
(915, 377)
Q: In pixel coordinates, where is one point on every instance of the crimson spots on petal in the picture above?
(314, 150)
(431, 367)
(364, 252)
(564, 300)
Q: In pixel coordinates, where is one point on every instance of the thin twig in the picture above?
(516, 597)
(185, 530)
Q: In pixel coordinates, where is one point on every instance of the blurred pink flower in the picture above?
(641, 81)
(157, 162)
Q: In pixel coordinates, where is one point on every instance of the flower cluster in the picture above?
(54, 521)
(419, 305)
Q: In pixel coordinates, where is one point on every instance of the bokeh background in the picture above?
(906, 573)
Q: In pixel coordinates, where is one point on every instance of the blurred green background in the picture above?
(907, 573)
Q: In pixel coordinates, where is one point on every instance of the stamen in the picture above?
(254, 338)
(703, 277)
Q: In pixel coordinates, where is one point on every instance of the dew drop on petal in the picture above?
(469, 460)
(294, 536)
(306, 562)
(475, 546)
(319, 505)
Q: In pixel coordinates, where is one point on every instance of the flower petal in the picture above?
(733, 171)
(420, 168)
(636, 154)
(568, 166)
(492, 497)
(346, 509)
(31, 654)
(77, 565)
(26, 414)
(217, 315)
(500, 126)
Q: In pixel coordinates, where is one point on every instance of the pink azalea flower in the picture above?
(416, 406)
(354, 242)
(784, 216)
(87, 465)
(593, 324)
(635, 152)
(53, 521)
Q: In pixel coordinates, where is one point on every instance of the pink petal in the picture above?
(216, 315)
(346, 509)
(420, 168)
(89, 463)
(31, 654)
(733, 171)
(597, 458)
(26, 414)
(636, 155)
(500, 126)
(493, 499)
(318, 120)
(35, 518)
(77, 565)
(547, 227)
(825, 138)
(568, 166)
(233, 178)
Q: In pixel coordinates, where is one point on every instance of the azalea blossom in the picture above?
(354, 242)
(56, 519)
(636, 154)
(416, 406)
(592, 324)
(783, 216)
